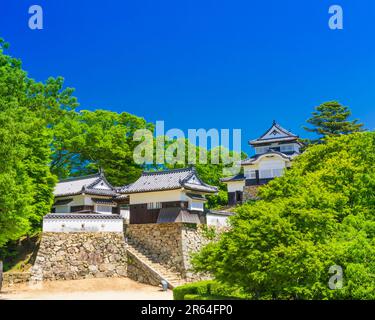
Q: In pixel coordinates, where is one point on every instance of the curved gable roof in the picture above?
(168, 180)
(91, 184)
(275, 133)
(257, 157)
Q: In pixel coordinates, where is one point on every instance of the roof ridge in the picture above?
(187, 169)
(92, 184)
(101, 177)
(189, 176)
(285, 130)
(89, 176)
(184, 181)
(100, 189)
(278, 126)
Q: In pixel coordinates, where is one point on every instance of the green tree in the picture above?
(25, 180)
(88, 140)
(43, 136)
(332, 119)
(49, 103)
(321, 213)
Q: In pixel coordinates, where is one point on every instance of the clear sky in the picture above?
(203, 63)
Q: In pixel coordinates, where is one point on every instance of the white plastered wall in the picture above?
(266, 163)
(217, 220)
(167, 196)
(81, 200)
(82, 225)
(158, 196)
(234, 186)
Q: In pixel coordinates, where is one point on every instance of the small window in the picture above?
(104, 209)
(153, 205)
(261, 150)
(287, 148)
(265, 174)
(251, 174)
(271, 173)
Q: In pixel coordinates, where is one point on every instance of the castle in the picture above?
(274, 153)
(147, 230)
(92, 204)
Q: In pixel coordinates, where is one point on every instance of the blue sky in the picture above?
(203, 64)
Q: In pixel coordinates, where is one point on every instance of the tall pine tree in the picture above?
(332, 119)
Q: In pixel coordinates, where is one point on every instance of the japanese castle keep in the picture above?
(274, 153)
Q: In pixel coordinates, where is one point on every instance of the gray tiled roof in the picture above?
(196, 196)
(63, 202)
(197, 187)
(168, 215)
(220, 213)
(100, 192)
(83, 216)
(282, 136)
(169, 180)
(238, 177)
(104, 201)
(90, 184)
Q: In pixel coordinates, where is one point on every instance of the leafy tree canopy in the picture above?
(321, 213)
(88, 140)
(25, 180)
(332, 119)
(43, 137)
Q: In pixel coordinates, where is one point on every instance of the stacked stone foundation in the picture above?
(250, 193)
(171, 244)
(13, 278)
(84, 255)
(70, 256)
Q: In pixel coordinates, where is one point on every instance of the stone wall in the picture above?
(163, 241)
(138, 271)
(68, 256)
(193, 239)
(11, 278)
(250, 193)
(171, 244)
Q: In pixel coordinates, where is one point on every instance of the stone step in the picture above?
(173, 278)
(158, 265)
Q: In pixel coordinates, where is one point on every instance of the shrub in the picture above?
(207, 297)
(319, 214)
(200, 288)
(207, 290)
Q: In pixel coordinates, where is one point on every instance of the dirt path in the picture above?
(88, 289)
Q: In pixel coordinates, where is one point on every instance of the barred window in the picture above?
(251, 174)
(287, 148)
(104, 209)
(153, 205)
